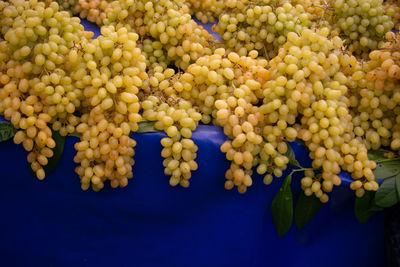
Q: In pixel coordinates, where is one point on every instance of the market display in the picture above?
(323, 73)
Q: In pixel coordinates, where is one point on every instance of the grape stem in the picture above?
(299, 170)
(387, 160)
(302, 169)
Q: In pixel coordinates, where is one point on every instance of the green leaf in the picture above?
(306, 209)
(386, 196)
(364, 207)
(7, 131)
(146, 127)
(397, 178)
(377, 155)
(375, 207)
(292, 157)
(57, 153)
(282, 207)
(386, 170)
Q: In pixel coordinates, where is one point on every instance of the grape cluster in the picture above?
(227, 89)
(307, 78)
(92, 10)
(375, 96)
(154, 53)
(314, 184)
(206, 11)
(177, 118)
(393, 10)
(262, 26)
(166, 22)
(362, 23)
(37, 88)
(111, 70)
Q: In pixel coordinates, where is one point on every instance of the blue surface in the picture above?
(149, 223)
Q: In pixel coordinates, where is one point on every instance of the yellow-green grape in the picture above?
(167, 27)
(363, 23)
(227, 88)
(104, 153)
(310, 103)
(262, 26)
(207, 11)
(37, 90)
(112, 107)
(375, 96)
(92, 10)
(177, 118)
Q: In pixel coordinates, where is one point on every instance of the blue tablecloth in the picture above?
(149, 223)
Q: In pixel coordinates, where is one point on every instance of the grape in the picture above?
(92, 10)
(207, 11)
(177, 118)
(392, 8)
(261, 26)
(228, 87)
(105, 150)
(375, 96)
(315, 95)
(363, 23)
(36, 84)
(164, 22)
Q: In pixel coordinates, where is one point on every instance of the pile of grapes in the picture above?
(326, 73)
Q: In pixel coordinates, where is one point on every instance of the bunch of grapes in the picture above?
(208, 10)
(92, 10)
(227, 88)
(363, 24)
(375, 96)
(36, 84)
(177, 118)
(308, 81)
(393, 9)
(166, 22)
(112, 70)
(261, 26)
(154, 53)
(315, 8)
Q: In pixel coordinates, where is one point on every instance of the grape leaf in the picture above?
(364, 207)
(7, 131)
(397, 178)
(386, 170)
(386, 196)
(377, 155)
(146, 127)
(306, 209)
(292, 157)
(282, 207)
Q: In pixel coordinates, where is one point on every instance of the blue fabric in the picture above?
(149, 223)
